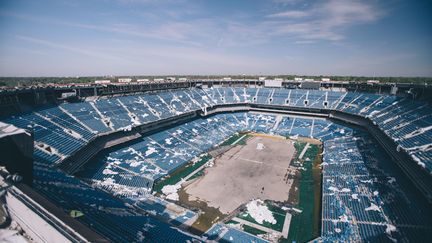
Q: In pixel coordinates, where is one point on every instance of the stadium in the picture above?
(218, 160)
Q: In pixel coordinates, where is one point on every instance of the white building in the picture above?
(124, 80)
(277, 82)
(105, 81)
(373, 81)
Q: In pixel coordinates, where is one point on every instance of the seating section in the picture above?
(87, 115)
(48, 135)
(361, 201)
(409, 123)
(224, 233)
(57, 116)
(170, 212)
(109, 216)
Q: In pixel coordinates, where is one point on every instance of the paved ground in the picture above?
(256, 226)
(255, 170)
(286, 225)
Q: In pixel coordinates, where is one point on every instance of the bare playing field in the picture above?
(258, 169)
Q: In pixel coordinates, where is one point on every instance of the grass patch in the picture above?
(276, 209)
(232, 222)
(234, 138)
(252, 230)
(180, 173)
(306, 225)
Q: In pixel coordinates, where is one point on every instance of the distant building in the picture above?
(124, 80)
(143, 80)
(158, 79)
(325, 79)
(372, 82)
(310, 84)
(298, 79)
(66, 95)
(277, 82)
(226, 79)
(262, 78)
(105, 81)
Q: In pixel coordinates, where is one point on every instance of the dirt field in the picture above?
(258, 169)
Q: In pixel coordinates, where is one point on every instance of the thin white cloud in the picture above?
(347, 12)
(303, 42)
(323, 21)
(326, 20)
(287, 2)
(69, 48)
(173, 31)
(290, 14)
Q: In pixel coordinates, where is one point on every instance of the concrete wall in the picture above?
(38, 228)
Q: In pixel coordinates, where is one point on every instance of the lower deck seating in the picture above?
(102, 212)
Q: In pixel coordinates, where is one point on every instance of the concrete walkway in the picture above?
(304, 151)
(193, 173)
(238, 140)
(286, 225)
(256, 226)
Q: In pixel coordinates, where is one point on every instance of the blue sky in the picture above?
(153, 37)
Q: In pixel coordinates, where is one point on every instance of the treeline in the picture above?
(34, 81)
